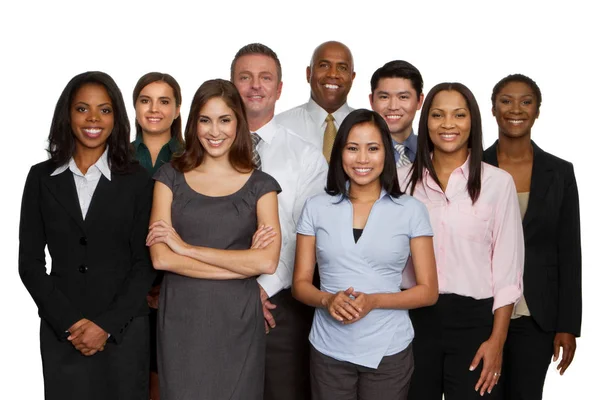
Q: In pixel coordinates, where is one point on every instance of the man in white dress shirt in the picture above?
(330, 74)
(301, 171)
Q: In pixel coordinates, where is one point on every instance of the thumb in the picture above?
(476, 360)
(349, 291)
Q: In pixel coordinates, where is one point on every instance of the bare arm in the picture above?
(163, 258)
(251, 262)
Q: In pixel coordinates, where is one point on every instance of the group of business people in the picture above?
(321, 226)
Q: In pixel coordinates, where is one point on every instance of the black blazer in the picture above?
(552, 275)
(101, 268)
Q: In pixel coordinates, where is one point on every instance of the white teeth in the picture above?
(450, 136)
(362, 170)
(216, 141)
(154, 119)
(332, 87)
(393, 116)
(516, 121)
(93, 131)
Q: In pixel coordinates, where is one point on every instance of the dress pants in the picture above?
(447, 336)
(287, 360)
(341, 380)
(527, 354)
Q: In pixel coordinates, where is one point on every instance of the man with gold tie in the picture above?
(330, 74)
(397, 95)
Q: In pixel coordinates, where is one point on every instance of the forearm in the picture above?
(244, 262)
(501, 323)
(307, 293)
(415, 297)
(164, 259)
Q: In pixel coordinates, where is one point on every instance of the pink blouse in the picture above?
(479, 249)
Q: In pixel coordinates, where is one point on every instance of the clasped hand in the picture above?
(87, 337)
(348, 306)
(161, 232)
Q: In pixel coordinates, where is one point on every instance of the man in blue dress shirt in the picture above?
(397, 95)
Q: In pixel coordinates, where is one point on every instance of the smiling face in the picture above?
(363, 155)
(330, 75)
(92, 118)
(397, 102)
(217, 125)
(515, 109)
(255, 77)
(449, 122)
(156, 108)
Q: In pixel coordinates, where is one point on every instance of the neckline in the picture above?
(220, 197)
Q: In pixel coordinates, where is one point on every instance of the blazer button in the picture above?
(83, 241)
(83, 269)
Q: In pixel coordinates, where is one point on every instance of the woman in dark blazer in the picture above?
(548, 316)
(90, 204)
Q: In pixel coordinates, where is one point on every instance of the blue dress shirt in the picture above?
(410, 145)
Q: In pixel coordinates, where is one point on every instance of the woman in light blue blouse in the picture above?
(362, 232)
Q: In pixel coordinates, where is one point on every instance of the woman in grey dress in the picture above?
(214, 228)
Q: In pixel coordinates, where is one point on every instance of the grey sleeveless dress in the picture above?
(211, 338)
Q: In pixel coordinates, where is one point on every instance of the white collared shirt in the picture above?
(86, 183)
(308, 121)
(301, 171)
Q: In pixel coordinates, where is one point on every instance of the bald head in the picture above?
(330, 75)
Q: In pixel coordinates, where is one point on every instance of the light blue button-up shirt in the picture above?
(374, 264)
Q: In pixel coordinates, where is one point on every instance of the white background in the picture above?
(44, 44)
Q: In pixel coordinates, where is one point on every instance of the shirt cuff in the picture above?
(271, 284)
(507, 295)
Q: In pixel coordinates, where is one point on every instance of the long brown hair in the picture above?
(240, 154)
(152, 77)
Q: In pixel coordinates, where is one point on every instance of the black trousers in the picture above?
(340, 380)
(527, 354)
(447, 336)
(287, 370)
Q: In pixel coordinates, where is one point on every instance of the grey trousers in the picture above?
(341, 380)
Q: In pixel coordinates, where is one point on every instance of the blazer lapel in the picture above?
(104, 196)
(542, 178)
(62, 187)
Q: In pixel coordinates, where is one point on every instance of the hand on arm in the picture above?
(490, 351)
(164, 258)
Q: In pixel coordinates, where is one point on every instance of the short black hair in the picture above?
(256, 48)
(398, 69)
(337, 178)
(425, 146)
(518, 78)
(61, 143)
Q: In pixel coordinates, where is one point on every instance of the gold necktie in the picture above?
(329, 136)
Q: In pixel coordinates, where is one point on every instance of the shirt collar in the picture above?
(464, 169)
(337, 198)
(318, 114)
(267, 132)
(101, 164)
(411, 142)
(173, 143)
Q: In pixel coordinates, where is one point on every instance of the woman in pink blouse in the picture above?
(478, 241)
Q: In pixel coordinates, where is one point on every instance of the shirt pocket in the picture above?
(473, 221)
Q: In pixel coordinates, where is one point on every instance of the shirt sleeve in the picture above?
(305, 223)
(166, 175)
(508, 247)
(419, 221)
(311, 182)
(569, 259)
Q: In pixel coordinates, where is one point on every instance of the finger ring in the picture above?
(496, 374)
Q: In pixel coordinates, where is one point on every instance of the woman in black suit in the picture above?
(90, 204)
(548, 316)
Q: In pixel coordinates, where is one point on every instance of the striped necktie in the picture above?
(329, 136)
(403, 159)
(255, 155)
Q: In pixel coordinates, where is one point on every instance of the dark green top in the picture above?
(142, 154)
